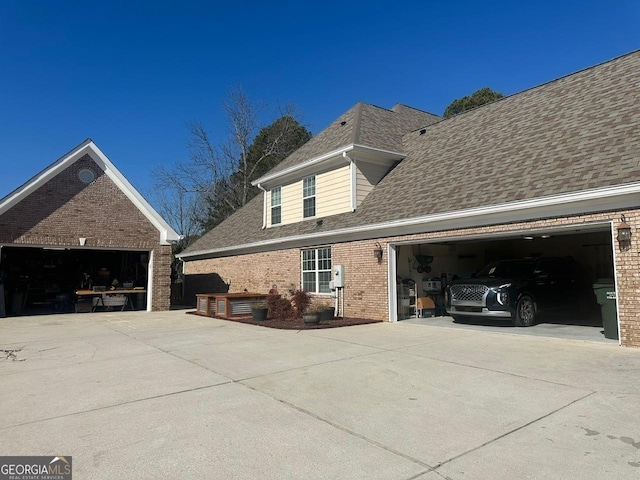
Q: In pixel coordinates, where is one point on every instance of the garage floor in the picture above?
(562, 329)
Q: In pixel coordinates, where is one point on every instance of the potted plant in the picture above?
(326, 311)
(311, 315)
(259, 311)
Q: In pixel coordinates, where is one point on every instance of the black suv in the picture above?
(519, 290)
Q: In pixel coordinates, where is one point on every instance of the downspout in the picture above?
(352, 180)
(264, 206)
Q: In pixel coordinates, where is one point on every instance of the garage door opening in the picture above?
(423, 270)
(46, 280)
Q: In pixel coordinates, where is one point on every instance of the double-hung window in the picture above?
(316, 270)
(276, 206)
(309, 197)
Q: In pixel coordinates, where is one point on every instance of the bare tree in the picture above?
(216, 180)
(177, 205)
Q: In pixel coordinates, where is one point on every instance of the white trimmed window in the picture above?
(276, 206)
(316, 270)
(309, 197)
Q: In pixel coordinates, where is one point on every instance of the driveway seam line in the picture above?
(500, 372)
(380, 348)
(195, 389)
(346, 430)
(553, 412)
(310, 366)
(179, 358)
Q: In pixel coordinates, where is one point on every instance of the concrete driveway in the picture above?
(169, 395)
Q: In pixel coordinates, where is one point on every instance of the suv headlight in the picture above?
(502, 296)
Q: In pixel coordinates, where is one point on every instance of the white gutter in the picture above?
(352, 180)
(600, 199)
(264, 206)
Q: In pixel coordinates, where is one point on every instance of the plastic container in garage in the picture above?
(605, 291)
(431, 284)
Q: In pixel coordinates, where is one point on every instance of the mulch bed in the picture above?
(298, 324)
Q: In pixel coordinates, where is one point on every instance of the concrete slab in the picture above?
(374, 401)
(594, 366)
(138, 323)
(30, 396)
(18, 330)
(57, 351)
(387, 336)
(431, 475)
(597, 438)
(557, 328)
(225, 432)
(428, 410)
(205, 335)
(268, 354)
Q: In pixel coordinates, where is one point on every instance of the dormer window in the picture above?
(276, 206)
(309, 197)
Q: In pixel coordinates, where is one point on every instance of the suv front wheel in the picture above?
(525, 312)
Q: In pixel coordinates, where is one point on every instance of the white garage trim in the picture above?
(615, 278)
(573, 229)
(150, 269)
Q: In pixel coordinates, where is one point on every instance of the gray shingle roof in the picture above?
(363, 124)
(575, 133)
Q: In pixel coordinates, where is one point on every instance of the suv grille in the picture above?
(468, 293)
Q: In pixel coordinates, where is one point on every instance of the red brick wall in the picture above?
(64, 209)
(255, 273)
(366, 292)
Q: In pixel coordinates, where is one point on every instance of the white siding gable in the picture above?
(333, 196)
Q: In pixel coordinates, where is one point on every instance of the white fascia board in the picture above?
(167, 234)
(43, 176)
(589, 201)
(302, 166)
(368, 153)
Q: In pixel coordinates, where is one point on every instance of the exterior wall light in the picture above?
(377, 252)
(624, 234)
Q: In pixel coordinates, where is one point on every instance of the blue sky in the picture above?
(130, 74)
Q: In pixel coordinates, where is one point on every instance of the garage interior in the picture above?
(44, 280)
(424, 269)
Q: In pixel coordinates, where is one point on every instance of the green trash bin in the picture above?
(605, 291)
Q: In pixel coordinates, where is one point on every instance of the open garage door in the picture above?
(45, 280)
(423, 270)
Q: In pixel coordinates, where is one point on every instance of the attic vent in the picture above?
(423, 131)
(343, 123)
(86, 175)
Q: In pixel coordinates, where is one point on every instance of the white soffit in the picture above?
(329, 160)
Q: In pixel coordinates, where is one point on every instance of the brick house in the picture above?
(81, 215)
(548, 171)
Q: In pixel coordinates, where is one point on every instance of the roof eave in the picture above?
(595, 200)
(167, 234)
(325, 160)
